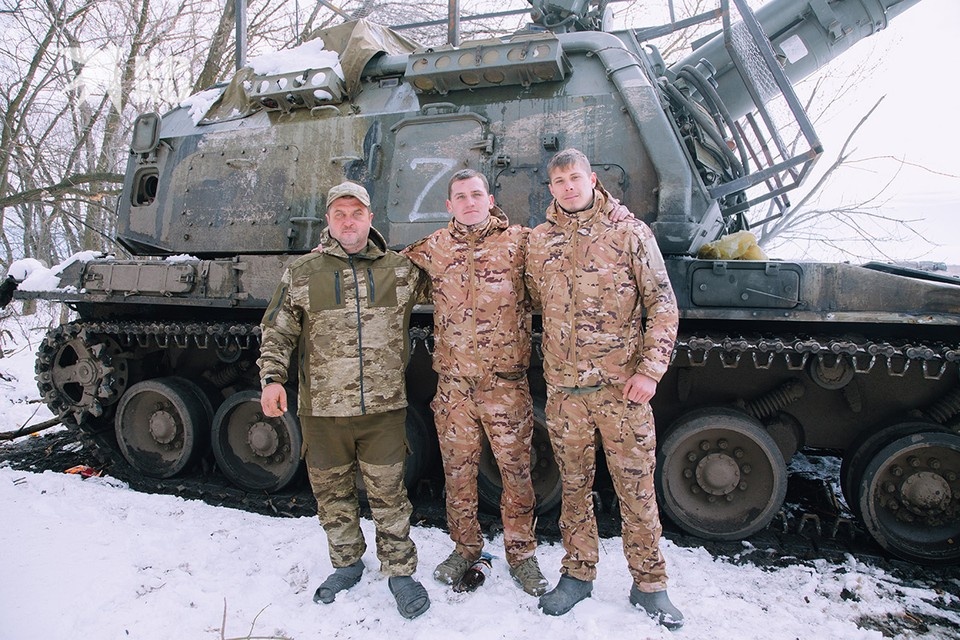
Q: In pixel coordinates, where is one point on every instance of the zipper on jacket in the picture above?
(336, 287)
(356, 285)
(574, 290)
(471, 252)
(371, 286)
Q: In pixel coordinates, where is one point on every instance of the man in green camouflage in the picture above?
(482, 322)
(346, 308)
(597, 280)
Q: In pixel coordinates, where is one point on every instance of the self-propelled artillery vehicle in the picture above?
(772, 355)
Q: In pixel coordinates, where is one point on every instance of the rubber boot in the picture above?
(340, 580)
(411, 597)
(657, 605)
(568, 592)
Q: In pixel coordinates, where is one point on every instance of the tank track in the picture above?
(105, 382)
(865, 355)
(81, 375)
(90, 350)
(202, 484)
(96, 347)
(103, 342)
(201, 334)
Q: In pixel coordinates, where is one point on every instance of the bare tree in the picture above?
(219, 51)
(860, 229)
(31, 123)
(73, 75)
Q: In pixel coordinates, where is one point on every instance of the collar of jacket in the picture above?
(601, 205)
(496, 221)
(376, 246)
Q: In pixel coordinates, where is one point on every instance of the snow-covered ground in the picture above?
(90, 558)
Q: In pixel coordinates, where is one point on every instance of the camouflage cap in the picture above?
(348, 189)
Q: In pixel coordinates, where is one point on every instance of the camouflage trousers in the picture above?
(464, 408)
(334, 448)
(629, 442)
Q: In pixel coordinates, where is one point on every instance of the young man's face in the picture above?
(572, 186)
(469, 201)
(349, 221)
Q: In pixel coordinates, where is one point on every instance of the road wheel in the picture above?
(162, 426)
(720, 475)
(910, 497)
(255, 452)
(862, 450)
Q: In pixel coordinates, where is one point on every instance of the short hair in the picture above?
(568, 157)
(466, 174)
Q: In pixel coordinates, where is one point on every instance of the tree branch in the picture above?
(67, 185)
(769, 233)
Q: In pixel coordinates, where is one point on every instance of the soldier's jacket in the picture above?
(595, 278)
(349, 318)
(482, 314)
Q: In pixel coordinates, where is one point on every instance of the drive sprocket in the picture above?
(79, 374)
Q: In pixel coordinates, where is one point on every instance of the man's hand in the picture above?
(273, 400)
(620, 213)
(639, 388)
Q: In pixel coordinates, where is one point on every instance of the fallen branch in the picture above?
(223, 627)
(25, 430)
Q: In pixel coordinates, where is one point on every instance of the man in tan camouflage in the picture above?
(346, 309)
(482, 321)
(596, 279)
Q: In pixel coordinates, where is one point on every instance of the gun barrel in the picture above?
(806, 33)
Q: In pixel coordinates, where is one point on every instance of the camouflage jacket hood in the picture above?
(597, 280)
(482, 314)
(348, 317)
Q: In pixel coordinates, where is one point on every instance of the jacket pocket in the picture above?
(326, 291)
(381, 287)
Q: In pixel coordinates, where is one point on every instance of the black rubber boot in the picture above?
(657, 605)
(568, 592)
(412, 598)
(340, 580)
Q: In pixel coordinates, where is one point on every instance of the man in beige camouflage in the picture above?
(596, 280)
(346, 309)
(482, 321)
